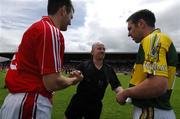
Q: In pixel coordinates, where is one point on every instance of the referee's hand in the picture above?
(121, 97)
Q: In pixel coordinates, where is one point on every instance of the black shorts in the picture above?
(80, 107)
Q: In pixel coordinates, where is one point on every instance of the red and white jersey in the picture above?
(41, 52)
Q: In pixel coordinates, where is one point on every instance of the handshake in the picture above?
(77, 76)
(122, 97)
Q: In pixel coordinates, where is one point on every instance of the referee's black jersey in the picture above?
(96, 80)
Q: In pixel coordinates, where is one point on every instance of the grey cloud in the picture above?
(7, 46)
(79, 15)
(118, 41)
(77, 47)
(19, 14)
(115, 40)
(169, 23)
(12, 24)
(82, 47)
(151, 1)
(169, 19)
(15, 17)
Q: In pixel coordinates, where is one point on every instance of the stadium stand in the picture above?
(121, 61)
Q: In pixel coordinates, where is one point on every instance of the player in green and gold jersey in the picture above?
(154, 71)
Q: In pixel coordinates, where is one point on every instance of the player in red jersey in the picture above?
(34, 73)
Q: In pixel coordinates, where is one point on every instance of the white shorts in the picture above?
(26, 106)
(152, 113)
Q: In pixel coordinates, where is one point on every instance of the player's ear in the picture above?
(62, 11)
(141, 23)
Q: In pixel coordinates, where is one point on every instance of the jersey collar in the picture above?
(157, 30)
(48, 19)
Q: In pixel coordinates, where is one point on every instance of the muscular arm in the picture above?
(150, 88)
(55, 81)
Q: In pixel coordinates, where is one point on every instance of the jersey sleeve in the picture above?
(114, 82)
(155, 55)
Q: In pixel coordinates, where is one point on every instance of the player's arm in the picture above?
(56, 81)
(152, 87)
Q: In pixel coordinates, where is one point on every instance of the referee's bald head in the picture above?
(94, 45)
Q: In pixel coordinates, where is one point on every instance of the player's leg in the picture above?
(143, 113)
(93, 110)
(164, 114)
(136, 112)
(153, 113)
(74, 109)
(43, 108)
(18, 106)
(11, 106)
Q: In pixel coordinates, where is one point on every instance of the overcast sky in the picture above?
(94, 20)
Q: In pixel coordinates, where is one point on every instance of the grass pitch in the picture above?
(111, 109)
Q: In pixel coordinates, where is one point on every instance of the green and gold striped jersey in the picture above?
(156, 56)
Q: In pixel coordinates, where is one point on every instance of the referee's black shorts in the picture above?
(80, 107)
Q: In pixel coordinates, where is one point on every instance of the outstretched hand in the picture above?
(77, 75)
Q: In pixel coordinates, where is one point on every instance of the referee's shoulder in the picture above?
(85, 63)
(107, 65)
